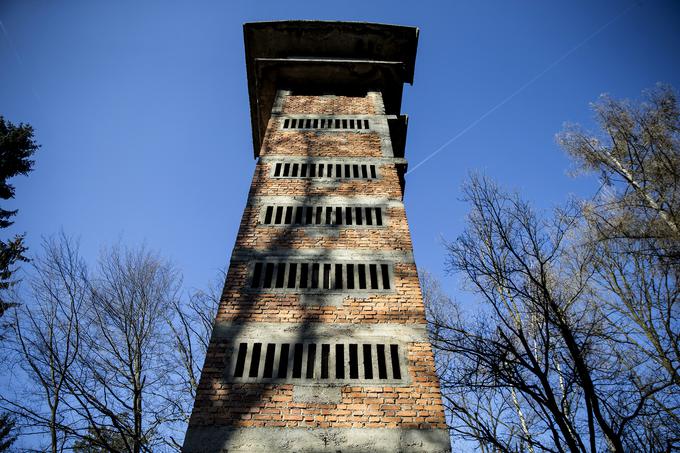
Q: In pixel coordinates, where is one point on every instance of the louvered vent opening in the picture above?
(356, 124)
(322, 277)
(322, 215)
(324, 170)
(320, 362)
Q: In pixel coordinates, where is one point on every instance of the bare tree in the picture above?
(48, 339)
(111, 358)
(539, 366)
(633, 229)
(191, 323)
(637, 155)
(575, 344)
(122, 372)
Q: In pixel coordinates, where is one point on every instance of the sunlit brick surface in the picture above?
(414, 404)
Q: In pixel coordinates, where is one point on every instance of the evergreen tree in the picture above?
(16, 148)
(6, 427)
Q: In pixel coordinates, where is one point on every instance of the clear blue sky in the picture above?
(141, 108)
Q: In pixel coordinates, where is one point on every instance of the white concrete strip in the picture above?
(301, 440)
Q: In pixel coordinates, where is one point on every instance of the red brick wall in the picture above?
(305, 143)
(414, 405)
(386, 186)
(393, 236)
(329, 105)
(259, 405)
(402, 306)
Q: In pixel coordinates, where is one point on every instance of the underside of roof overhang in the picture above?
(333, 57)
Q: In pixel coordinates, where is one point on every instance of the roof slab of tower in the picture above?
(326, 57)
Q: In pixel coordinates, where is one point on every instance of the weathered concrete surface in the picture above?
(374, 256)
(286, 332)
(337, 440)
(317, 394)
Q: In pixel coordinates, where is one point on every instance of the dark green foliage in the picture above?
(16, 148)
(6, 427)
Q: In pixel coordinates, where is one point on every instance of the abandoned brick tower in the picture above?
(320, 341)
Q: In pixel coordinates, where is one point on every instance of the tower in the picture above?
(320, 341)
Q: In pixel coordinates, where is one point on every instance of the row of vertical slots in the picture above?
(325, 123)
(324, 170)
(322, 276)
(322, 215)
(317, 361)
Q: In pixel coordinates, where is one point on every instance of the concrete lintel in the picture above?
(312, 159)
(284, 332)
(302, 440)
(315, 394)
(326, 300)
(332, 200)
(396, 256)
(321, 232)
(314, 116)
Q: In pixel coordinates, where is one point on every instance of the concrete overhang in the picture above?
(317, 56)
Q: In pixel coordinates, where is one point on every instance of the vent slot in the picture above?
(325, 170)
(353, 362)
(269, 361)
(281, 273)
(268, 272)
(255, 360)
(283, 361)
(368, 362)
(311, 359)
(323, 363)
(321, 277)
(297, 361)
(339, 361)
(292, 275)
(394, 354)
(325, 355)
(257, 274)
(240, 360)
(382, 367)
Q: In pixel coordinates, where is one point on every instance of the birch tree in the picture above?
(538, 365)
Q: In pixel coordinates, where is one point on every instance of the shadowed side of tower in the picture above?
(320, 341)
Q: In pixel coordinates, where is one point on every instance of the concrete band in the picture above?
(318, 231)
(350, 160)
(374, 256)
(378, 126)
(320, 331)
(326, 298)
(360, 200)
(338, 116)
(317, 394)
(302, 440)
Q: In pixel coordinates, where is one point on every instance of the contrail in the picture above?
(522, 88)
(18, 57)
(11, 45)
